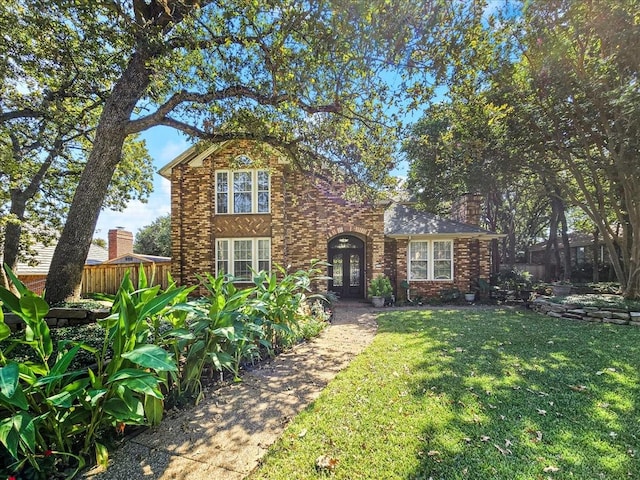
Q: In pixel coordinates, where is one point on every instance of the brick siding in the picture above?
(306, 212)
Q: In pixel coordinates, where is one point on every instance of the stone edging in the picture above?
(61, 317)
(587, 314)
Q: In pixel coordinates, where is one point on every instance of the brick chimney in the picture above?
(467, 209)
(120, 242)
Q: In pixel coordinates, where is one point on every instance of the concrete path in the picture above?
(227, 434)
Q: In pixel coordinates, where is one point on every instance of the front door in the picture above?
(346, 256)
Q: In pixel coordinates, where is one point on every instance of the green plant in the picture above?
(380, 286)
(49, 410)
(449, 295)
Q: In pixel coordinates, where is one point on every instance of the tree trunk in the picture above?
(19, 198)
(65, 274)
(596, 257)
(552, 244)
(566, 274)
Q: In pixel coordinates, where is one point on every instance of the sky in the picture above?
(164, 144)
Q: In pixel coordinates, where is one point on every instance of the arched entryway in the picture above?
(346, 256)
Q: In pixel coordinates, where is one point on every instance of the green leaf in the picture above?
(94, 395)
(20, 287)
(62, 399)
(9, 376)
(9, 437)
(18, 428)
(127, 412)
(10, 300)
(64, 361)
(102, 455)
(151, 356)
(142, 278)
(5, 331)
(126, 373)
(153, 409)
(147, 385)
(159, 302)
(33, 307)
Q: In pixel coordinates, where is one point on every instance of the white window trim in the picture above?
(230, 254)
(430, 260)
(254, 191)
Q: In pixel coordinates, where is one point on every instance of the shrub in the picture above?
(51, 415)
(380, 286)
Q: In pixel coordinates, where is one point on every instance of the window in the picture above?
(240, 257)
(242, 191)
(430, 260)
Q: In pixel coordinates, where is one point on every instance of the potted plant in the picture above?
(470, 296)
(379, 290)
(561, 289)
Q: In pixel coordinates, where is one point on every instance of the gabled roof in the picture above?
(44, 255)
(197, 153)
(402, 220)
(576, 239)
(137, 258)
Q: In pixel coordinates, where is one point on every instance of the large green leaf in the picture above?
(151, 356)
(20, 287)
(9, 376)
(16, 429)
(9, 437)
(10, 300)
(126, 373)
(130, 411)
(64, 361)
(158, 303)
(33, 307)
(147, 385)
(153, 409)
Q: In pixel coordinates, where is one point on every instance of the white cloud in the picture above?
(133, 218)
(164, 145)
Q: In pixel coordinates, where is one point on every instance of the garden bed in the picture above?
(590, 308)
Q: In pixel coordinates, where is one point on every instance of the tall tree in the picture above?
(461, 146)
(155, 238)
(51, 95)
(308, 77)
(575, 97)
(565, 73)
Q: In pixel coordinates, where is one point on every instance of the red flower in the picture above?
(48, 453)
(11, 477)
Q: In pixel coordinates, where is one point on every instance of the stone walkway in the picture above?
(227, 434)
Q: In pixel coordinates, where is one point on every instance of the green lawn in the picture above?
(475, 394)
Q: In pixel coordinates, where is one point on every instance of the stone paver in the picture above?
(227, 434)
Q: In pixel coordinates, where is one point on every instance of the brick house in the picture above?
(239, 206)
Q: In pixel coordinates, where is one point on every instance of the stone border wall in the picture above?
(587, 314)
(60, 317)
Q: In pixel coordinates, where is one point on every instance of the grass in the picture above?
(475, 394)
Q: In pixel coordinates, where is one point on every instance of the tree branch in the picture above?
(234, 91)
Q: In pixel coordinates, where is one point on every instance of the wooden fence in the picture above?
(106, 278)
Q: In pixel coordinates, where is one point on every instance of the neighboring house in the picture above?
(34, 275)
(120, 250)
(240, 206)
(583, 257)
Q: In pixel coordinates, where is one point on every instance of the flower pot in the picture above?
(561, 290)
(377, 301)
(469, 297)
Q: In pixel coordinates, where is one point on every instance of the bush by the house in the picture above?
(157, 345)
